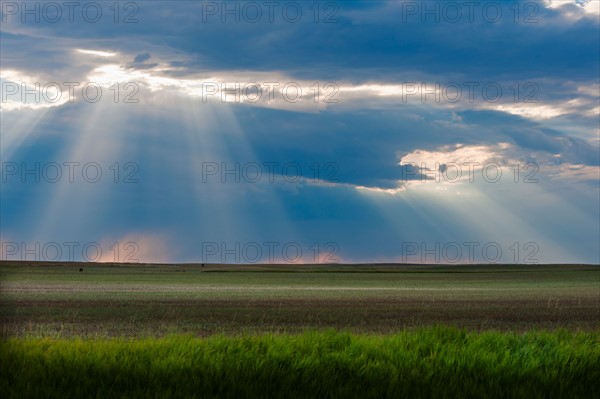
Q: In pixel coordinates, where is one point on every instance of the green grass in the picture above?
(432, 362)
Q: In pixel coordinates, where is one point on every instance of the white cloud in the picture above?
(592, 90)
(575, 9)
(379, 190)
(96, 52)
(471, 158)
(576, 172)
(20, 90)
(277, 90)
(458, 153)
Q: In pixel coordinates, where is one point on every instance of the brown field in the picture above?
(154, 300)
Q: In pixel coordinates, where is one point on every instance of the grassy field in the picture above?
(299, 331)
(142, 300)
(434, 362)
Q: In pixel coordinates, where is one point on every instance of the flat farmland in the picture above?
(104, 300)
(337, 331)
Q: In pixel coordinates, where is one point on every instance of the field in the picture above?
(299, 331)
(141, 300)
(430, 363)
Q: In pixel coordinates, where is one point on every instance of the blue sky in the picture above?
(350, 152)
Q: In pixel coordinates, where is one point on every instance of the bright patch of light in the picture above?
(460, 154)
(96, 52)
(378, 190)
(581, 106)
(575, 9)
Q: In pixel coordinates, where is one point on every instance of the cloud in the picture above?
(575, 9)
(137, 248)
(96, 52)
(141, 57)
(469, 159)
(139, 62)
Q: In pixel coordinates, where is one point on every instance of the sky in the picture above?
(300, 132)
